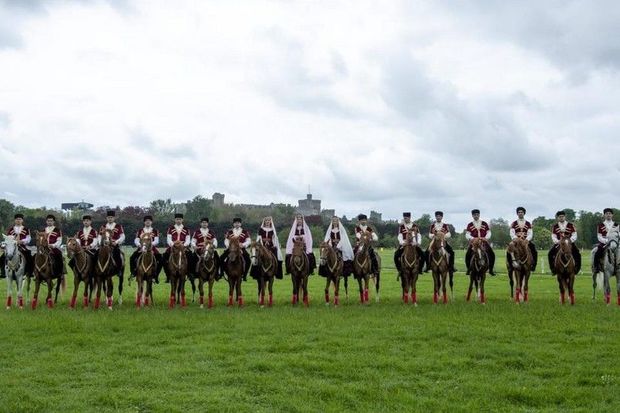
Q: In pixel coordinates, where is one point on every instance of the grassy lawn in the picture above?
(382, 357)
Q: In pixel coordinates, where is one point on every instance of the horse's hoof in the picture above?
(202, 306)
(120, 300)
(415, 304)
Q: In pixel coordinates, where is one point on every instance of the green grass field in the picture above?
(382, 357)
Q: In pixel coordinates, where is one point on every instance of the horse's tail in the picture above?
(63, 284)
(600, 280)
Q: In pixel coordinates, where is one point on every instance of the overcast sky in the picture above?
(385, 105)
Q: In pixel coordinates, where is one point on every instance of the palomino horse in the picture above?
(564, 266)
(235, 268)
(105, 269)
(146, 271)
(611, 266)
(177, 270)
(439, 259)
(44, 271)
(362, 268)
(522, 262)
(82, 270)
(478, 267)
(333, 264)
(207, 271)
(15, 268)
(300, 270)
(267, 265)
(409, 270)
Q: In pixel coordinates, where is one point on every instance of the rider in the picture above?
(176, 233)
(87, 237)
(362, 228)
(337, 237)
(522, 229)
(407, 226)
(440, 226)
(54, 240)
(479, 229)
(269, 238)
(563, 229)
(154, 234)
(118, 236)
(200, 238)
(601, 232)
(300, 231)
(243, 235)
(22, 237)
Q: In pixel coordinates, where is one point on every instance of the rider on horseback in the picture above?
(439, 226)
(269, 238)
(244, 241)
(200, 238)
(117, 236)
(87, 238)
(176, 233)
(360, 229)
(563, 229)
(522, 229)
(408, 227)
(602, 230)
(337, 237)
(300, 231)
(54, 240)
(154, 234)
(22, 236)
(479, 229)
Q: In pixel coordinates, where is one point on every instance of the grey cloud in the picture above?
(145, 143)
(5, 120)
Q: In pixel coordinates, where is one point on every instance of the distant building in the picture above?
(70, 206)
(376, 216)
(218, 200)
(328, 213)
(309, 206)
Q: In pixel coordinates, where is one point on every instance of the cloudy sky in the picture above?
(384, 105)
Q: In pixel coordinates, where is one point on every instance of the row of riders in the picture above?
(96, 257)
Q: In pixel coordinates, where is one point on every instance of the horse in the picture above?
(207, 271)
(146, 271)
(44, 271)
(332, 261)
(478, 266)
(611, 267)
(300, 270)
(177, 271)
(82, 270)
(564, 266)
(16, 267)
(362, 268)
(267, 266)
(235, 268)
(409, 270)
(105, 268)
(439, 260)
(522, 263)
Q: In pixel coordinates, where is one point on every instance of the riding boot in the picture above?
(577, 257)
(534, 252)
(491, 255)
(427, 260)
(468, 260)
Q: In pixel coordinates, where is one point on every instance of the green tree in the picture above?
(542, 238)
(500, 230)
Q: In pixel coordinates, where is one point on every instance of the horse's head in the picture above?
(9, 245)
(566, 245)
(41, 241)
(234, 249)
(324, 250)
(254, 252)
(613, 238)
(106, 237)
(73, 246)
(146, 242)
(208, 250)
(438, 241)
(299, 246)
(364, 242)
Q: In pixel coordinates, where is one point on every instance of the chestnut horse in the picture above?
(207, 271)
(300, 270)
(478, 267)
(105, 269)
(409, 270)
(522, 263)
(43, 271)
(235, 268)
(362, 267)
(146, 271)
(82, 270)
(439, 259)
(564, 266)
(177, 271)
(267, 266)
(332, 261)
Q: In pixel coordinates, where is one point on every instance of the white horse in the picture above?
(611, 267)
(15, 268)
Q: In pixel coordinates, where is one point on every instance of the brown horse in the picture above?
(300, 270)
(410, 266)
(146, 271)
(478, 266)
(177, 271)
(267, 266)
(207, 271)
(105, 269)
(439, 266)
(522, 262)
(82, 269)
(564, 267)
(333, 264)
(43, 271)
(362, 268)
(235, 268)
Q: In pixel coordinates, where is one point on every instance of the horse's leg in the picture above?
(413, 282)
(607, 286)
(571, 288)
(294, 281)
(9, 290)
(361, 288)
(305, 286)
(231, 287)
(561, 286)
(192, 281)
(211, 281)
(35, 296)
(404, 284)
(121, 278)
(436, 287)
(451, 275)
(337, 291)
(58, 285)
(366, 286)
(526, 287)
(444, 278)
(99, 288)
(512, 284)
(377, 281)
(76, 287)
(239, 293)
(271, 281)
(482, 280)
(471, 286)
(594, 275)
(261, 291)
(201, 291)
(182, 291)
(173, 287)
(50, 288)
(139, 289)
(20, 291)
(328, 281)
(517, 281)
(28, 279)
(346, 288)
(618, 287)
(109, 292)
(87, 291)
